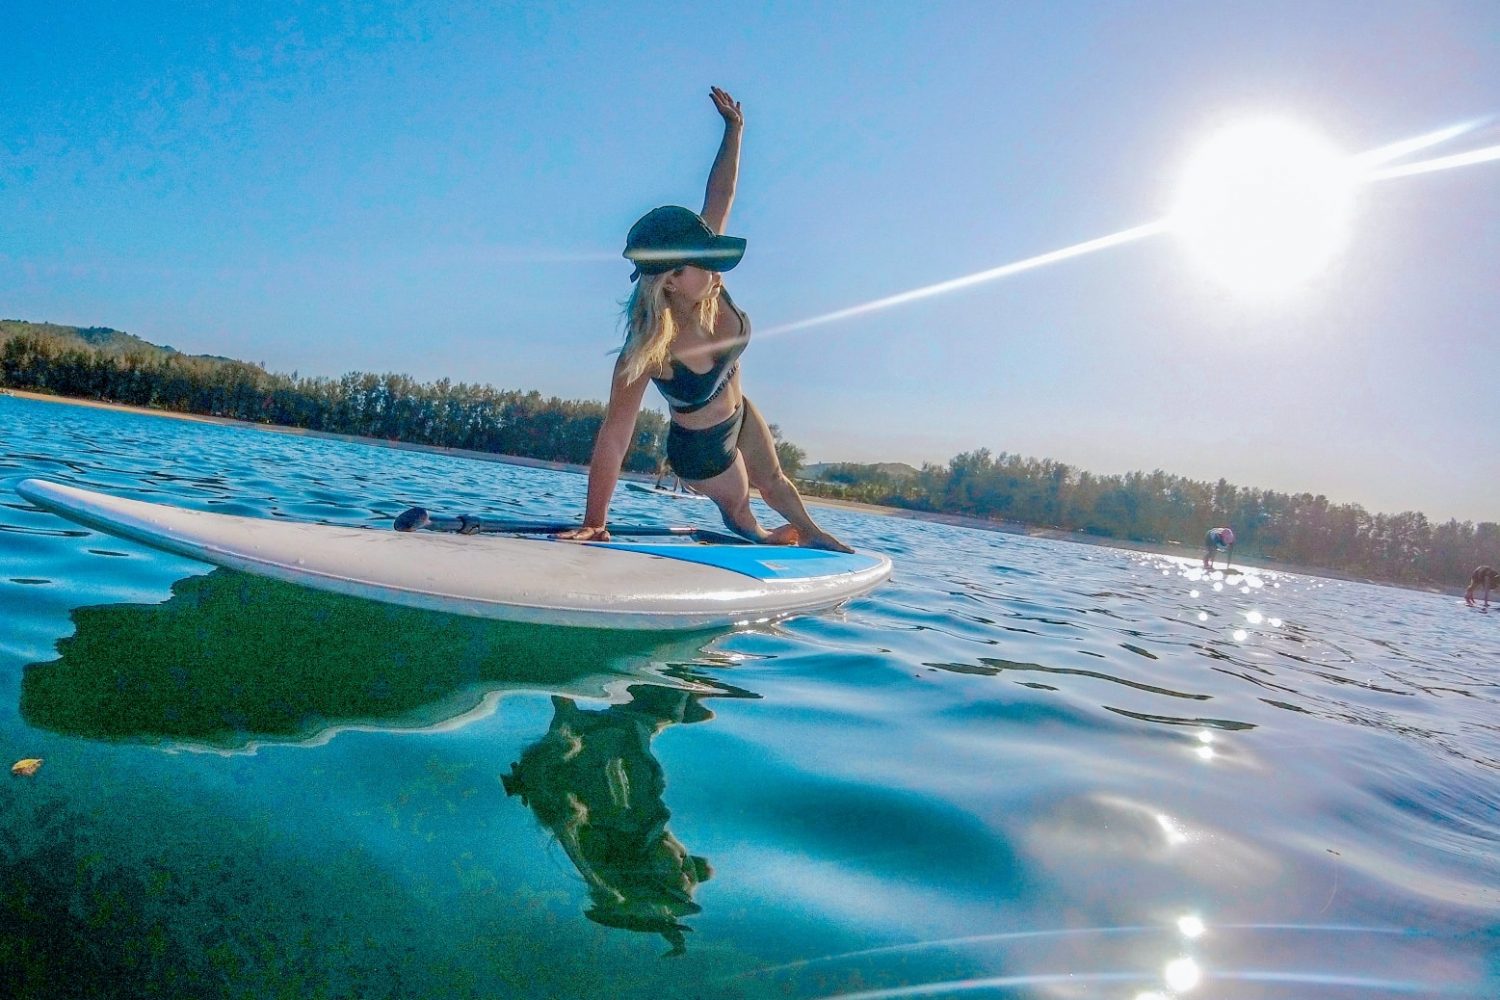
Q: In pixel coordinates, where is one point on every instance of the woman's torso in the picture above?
(696, 357)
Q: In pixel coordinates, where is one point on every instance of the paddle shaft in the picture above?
(418, 519)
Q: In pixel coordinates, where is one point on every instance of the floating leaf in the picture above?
(27, 767)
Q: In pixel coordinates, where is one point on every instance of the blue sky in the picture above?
(443, 190)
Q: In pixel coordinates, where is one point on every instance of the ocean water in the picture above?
(1021, 768)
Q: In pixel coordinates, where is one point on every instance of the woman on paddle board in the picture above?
(684, 333)
(1484, 577)
(1218, 540)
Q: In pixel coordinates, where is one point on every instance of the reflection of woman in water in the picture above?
(1218, 540)
(593, 782)
(1484, 577)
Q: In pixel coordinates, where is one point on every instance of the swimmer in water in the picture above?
(1218, 539)
(1484, 577)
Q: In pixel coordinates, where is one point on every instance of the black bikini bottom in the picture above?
(703, 454)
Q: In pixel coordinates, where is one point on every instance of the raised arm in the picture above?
(725, 173)
(610, 446)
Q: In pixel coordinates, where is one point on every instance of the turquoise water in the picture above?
(1021, 768)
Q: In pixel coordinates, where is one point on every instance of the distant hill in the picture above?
(849, 472)
(116, 343)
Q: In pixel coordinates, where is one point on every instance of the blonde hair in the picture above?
(650, 326)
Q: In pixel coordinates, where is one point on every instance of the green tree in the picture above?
(791, 457)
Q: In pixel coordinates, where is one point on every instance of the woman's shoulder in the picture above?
(734, 320)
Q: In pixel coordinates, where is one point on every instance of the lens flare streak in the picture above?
(1187, 926)
(1292, 978)
(957, 942)
(1349, 982)
(1406, 147)
(1361, 163)
(993, 983)
(1470, 158)
(1003, 271)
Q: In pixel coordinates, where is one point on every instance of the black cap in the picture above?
(671, 236)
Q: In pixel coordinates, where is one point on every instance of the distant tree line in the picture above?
(1156, 507)
(396, 407)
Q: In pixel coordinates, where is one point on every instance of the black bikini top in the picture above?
(687, 390)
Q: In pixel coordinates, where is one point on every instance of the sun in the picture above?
(1265, 205)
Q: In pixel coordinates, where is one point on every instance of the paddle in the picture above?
(418, 519)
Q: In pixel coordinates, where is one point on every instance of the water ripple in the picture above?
(1022, 765)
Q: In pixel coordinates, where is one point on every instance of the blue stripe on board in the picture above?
(762, 562)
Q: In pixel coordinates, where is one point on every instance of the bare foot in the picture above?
(585, 534)
(823, 540)
(784, 535)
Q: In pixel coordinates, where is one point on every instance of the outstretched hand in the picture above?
(727, 106)
(585, 534)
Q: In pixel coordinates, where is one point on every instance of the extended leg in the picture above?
(758, 447)
(730, 490)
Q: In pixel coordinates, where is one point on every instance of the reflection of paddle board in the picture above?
(618, 584)
(663, 492)
(272, 662)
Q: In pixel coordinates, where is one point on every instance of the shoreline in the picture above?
(203, 418)
(953, 520)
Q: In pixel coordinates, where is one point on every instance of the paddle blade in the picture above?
(412, 520)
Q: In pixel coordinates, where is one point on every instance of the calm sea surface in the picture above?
(1021, 768)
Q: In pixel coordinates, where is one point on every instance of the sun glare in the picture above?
(1265, 205)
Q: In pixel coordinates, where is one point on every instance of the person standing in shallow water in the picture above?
(684, 333)
(1484, 577)
(1218, 540)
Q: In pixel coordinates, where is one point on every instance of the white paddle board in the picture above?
(539, 579)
